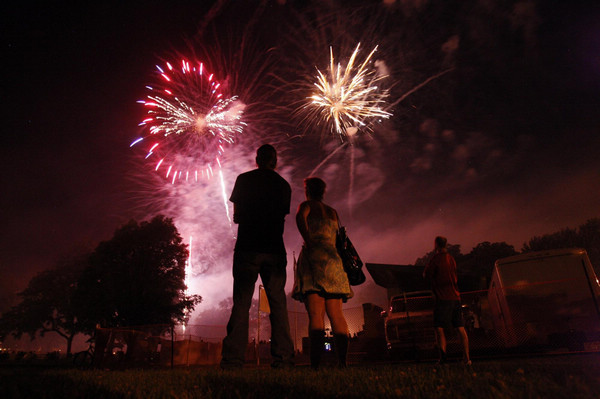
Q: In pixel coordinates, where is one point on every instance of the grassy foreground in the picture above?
(575, 376)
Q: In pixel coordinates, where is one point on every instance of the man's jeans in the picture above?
(246, 268)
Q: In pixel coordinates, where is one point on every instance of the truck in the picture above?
(409, 324)
(407, 318)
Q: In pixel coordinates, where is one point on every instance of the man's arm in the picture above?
(236, 218)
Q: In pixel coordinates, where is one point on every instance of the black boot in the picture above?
(317, 342)
(341, 347)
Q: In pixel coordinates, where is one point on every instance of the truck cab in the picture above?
(409, 324)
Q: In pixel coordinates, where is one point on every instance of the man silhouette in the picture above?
(441, 272)
(261, 199)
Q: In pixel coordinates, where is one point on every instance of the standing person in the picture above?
(320, 281)
(261, 199)
(441, 272)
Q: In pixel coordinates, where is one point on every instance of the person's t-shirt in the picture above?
(441, 271)
(262, 199)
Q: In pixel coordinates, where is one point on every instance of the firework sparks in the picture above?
(348, 97)
(189, 122)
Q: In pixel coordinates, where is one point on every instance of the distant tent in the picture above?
(406, 278)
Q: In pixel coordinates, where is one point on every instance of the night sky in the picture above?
(501, 148)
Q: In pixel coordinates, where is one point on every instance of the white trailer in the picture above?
(546, 298)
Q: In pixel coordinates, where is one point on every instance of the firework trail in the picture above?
(331, 154)
(187, 279)
(420, 86)
(189, 122)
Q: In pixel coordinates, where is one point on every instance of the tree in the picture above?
(47, 303)
(137, 278)
(565, 238)
(453, 250)
(587, 236)
(477, 266)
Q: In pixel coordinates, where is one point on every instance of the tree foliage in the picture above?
(47, 303)
(475, 268)
(587, 236)
(453, 250)
(137, 278)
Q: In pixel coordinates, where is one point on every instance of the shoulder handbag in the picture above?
(352, 263)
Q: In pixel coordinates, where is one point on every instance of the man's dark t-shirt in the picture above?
(441, 270)
(262, 199)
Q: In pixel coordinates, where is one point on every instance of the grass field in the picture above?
(573, 376)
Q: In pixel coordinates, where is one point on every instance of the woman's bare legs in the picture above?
(340, 329)
(336, 316)
(315, 306)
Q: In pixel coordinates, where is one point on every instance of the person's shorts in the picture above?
(447, 314)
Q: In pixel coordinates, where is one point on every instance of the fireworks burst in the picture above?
(189, 122)
(348, 97)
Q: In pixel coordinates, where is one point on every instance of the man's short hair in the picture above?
(266, 157)
(315, 187)
(441, 242)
